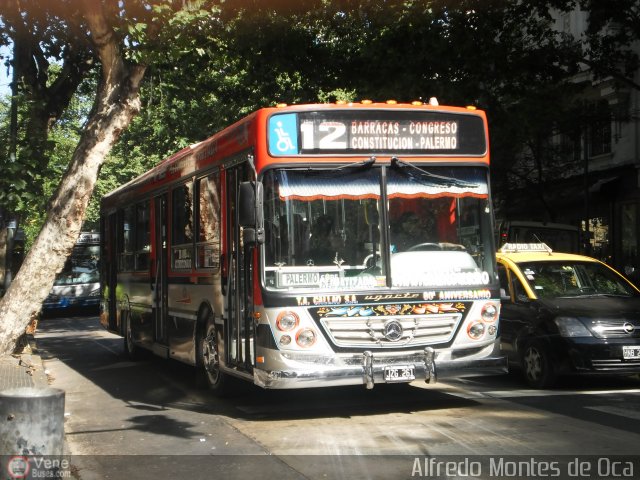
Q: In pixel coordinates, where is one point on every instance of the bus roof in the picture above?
(250, 133)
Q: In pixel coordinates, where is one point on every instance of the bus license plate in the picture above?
(400, 373)
(630, 353)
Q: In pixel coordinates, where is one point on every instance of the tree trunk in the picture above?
(3, 253)
(117, 102)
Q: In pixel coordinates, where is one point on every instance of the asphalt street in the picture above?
(148, 419)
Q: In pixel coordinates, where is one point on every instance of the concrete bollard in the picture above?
(32, 421)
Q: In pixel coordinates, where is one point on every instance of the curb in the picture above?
(24, 369)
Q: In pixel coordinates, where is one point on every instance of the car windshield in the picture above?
(555, 279)
(328, 230)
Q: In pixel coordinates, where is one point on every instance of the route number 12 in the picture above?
(323, 136)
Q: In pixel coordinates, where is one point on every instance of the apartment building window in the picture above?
(600, 129)
(565, 20)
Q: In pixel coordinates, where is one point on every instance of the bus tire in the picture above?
(131, 350)
(208, 360)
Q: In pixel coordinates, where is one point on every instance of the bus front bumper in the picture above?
(370, 368)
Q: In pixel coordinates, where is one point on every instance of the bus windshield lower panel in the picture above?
(327, 231)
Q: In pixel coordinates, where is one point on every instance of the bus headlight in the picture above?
(287, 321)
(306, 337)
(476, 330)
(489, 312)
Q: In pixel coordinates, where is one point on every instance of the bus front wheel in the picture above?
(208, 365)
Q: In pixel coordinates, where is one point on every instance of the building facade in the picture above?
(600, 189)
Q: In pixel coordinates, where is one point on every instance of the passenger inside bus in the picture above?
(406, 231)
(324, 244)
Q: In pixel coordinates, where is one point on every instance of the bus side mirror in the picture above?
(250, 213)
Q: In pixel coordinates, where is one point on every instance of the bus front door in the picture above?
(109, 261)
(239, 325)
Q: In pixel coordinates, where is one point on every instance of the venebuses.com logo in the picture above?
(23, 467)
(18, 467)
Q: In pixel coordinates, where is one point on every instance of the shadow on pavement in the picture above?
(155, 384)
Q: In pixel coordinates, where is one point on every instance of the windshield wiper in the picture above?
(363, 164)
(356, 166)
(446, 181)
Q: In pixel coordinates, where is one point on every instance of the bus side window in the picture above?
(142, 243)
(182, 227)
(208, 236)
(125, 243)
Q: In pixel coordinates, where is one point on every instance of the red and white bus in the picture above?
(312, 245)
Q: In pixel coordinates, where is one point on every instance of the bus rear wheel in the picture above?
(130, 348)
(209, 374)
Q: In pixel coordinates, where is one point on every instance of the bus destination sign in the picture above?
(337, 132)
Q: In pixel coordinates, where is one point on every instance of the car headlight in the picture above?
(572, 327)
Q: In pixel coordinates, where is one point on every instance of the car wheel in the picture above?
(537, 366)
(209, 374)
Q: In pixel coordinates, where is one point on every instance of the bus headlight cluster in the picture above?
(287, 322)
(486, 324)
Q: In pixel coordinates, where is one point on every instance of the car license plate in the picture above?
(399, 373)
(630, 353)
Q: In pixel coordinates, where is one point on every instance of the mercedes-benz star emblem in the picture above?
(628, 328)
(392, 331)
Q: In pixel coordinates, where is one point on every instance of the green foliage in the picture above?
(612, 31)
(214, 62)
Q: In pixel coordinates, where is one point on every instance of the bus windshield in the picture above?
(81, 266)
(380, 227)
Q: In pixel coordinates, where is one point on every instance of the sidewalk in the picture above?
(23, 370)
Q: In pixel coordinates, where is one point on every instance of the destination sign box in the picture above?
(428, 133)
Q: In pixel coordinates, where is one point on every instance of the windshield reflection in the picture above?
(81, 266)
(328, 230)
(573, 279)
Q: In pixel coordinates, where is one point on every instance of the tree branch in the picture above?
(611, 72)
(104, 41)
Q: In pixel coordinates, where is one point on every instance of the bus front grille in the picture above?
(391, 332)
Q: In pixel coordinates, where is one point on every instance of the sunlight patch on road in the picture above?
(621, 412)
(553, 393)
